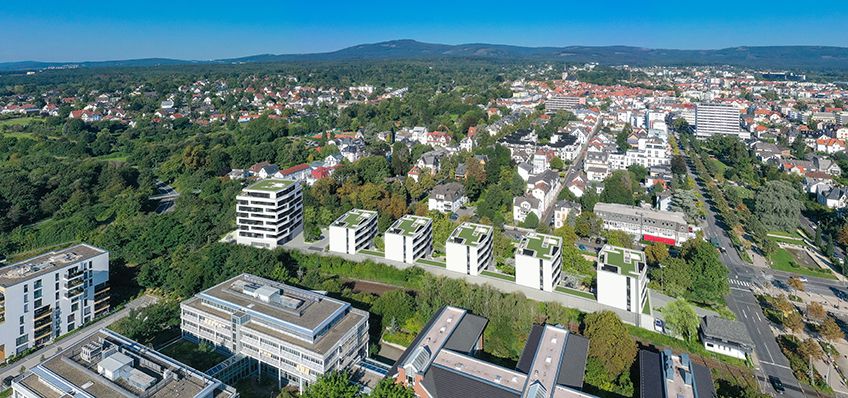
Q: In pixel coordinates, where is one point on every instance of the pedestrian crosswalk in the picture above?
(740, 283)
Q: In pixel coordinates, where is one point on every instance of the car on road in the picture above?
(802, 279)
(777, 384)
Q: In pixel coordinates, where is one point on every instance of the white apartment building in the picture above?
(622, 279)
(52, 294)
(106, 364)
(353, 231)
(447, 198)
(669, 227)
(297, 333)
(712, 119)
(409, 238)
(469, 248)
(558, 103)
(538, 261)
(269, 213)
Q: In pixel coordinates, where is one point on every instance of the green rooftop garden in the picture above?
(270, 185)
(615, 256)
(471, 232)
(542, 245)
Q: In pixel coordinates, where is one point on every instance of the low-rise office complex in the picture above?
(669, 227)
(469, 248)
(409, 238)
(52, 294)
(441, 362)
(107, 365)
(300, 334)
(622, 278)
(538, 261)
(665, 375)
(353, 231)
(269, 213)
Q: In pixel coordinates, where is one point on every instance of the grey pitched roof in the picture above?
(467, 333)
(451, 190)
(525, 361)
(703, 381)
(573, 366)
(441, 382)
(726, 330)
(650, 374)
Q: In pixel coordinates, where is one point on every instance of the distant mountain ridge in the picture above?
(777, 57)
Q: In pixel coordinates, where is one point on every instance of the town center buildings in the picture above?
(469, 248)
(300, 334)
(651, 225)
(538, 261)
(52, 294)
(353, 231)
(409, 238)
(269, 213)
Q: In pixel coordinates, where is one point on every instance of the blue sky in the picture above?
(72, 30)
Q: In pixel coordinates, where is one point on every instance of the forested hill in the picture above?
(773, 57)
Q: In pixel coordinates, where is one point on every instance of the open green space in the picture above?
(792, 238)
(575, 292)
(498, 275)
(372, 252)
(431, 262)
(21, 121)
(784, 260)
(659, 340)
(198, 356)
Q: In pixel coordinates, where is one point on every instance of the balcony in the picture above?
(73, 274)
(73, 283)
(75, 292)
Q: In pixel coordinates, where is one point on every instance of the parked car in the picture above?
(777, 384)
(659, 325)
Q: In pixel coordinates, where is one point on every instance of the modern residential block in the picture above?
(353, 231)
(669, 227)
(52, 294)
(538, 261)
(712, 119)
(665, 375)
(269, 213)
(469, 248)
(441, 362)
(409, 238)
(300, 334)
(106, 365)
(622, 278)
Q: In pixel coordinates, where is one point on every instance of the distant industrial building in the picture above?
(469, 248)
(107, 365)
(44, 297)
(353, 231)
(441, 362)
(298, 333)
(667, 227)
(409, 238)
(718, 119)
(623, 279)
(538, 261)
(269, 213)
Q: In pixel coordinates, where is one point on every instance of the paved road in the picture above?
(167, 197)
(34, 358)
(744, 305)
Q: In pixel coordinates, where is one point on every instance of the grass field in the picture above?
(498, 275)
(431, 262)
(575, 292)
(785, 260)
(792, 238)
(371, 252)
(192, 355)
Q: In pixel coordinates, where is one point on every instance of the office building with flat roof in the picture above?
(299, 333)
(623, 279)
(669, 227)
(538, 261)
(46, 296)
(269, 213)
(353, 231)
(409, 238)
(441, 362)
(469, 248)
(107, 365)
(665, 375)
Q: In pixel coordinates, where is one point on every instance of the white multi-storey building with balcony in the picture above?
(623, 279)
(538, 261)
(712, 119)
(297, 334)
(52, 294)
(409, 238)
(469, 248)
(353, 231)
(269, 213)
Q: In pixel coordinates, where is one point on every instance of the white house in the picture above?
(353, 231)
(409, 238)
(538, 261)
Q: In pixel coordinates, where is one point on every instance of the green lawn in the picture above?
(498, 275)
(431, 262)
(791, 238)
(783, 260)
(193, 355)
(21, 121)
(575, 292)
(372, 252)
